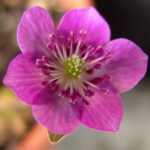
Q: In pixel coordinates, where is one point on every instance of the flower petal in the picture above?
(98, 31)
(58, 115)
(104, 112)
(24, 79)
(127, 66)
(33, 31)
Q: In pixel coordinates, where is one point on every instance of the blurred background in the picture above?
(18, 129)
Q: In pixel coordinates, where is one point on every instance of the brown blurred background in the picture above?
(18, 130)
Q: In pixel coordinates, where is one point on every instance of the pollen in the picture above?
(74, 66)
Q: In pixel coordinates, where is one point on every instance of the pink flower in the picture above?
(73, 74)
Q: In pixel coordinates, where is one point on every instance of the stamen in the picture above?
(89, 50)
(71, 48)
(82, 34)
(77, 48)
(94, 61)
(89, 83)
(60, 53)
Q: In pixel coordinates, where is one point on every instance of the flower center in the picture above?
(72, 69)
(74, 66)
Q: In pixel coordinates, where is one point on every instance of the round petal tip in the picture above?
(57, 115)
(88, 19)
(127, 66)
(105, 112)
(33, 31)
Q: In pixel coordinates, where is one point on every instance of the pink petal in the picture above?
(24, 79)
(57, 115)
(127, 66)
(98, 31)
(104, 112)
(33, 31)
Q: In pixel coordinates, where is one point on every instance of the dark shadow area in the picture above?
(129, 19)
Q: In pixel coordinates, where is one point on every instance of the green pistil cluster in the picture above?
(74, 66)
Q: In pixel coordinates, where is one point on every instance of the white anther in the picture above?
(79, 77)
(71, 33)
(74, 74)
(50, 35)
(98, 47)
(83, 31)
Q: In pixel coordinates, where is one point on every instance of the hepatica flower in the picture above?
(73, 74)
